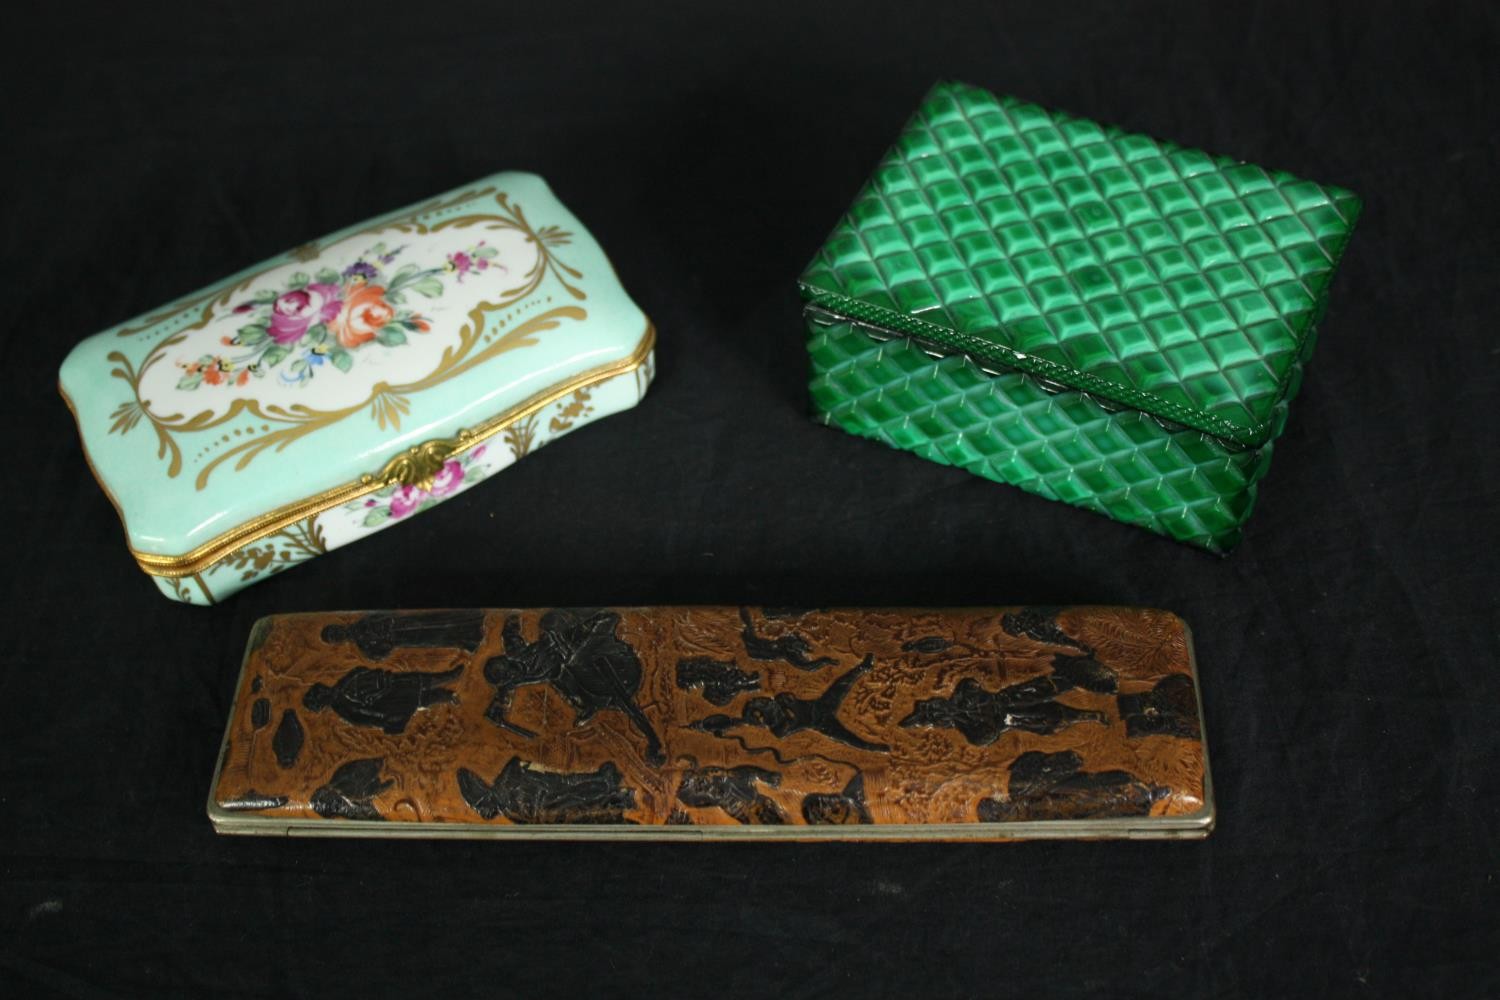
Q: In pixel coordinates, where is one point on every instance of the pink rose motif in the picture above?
(459, 263)
(300, 308)
(449, 478)
(406, 499)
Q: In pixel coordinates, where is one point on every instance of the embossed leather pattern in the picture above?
(1114, 271)
(986, 724)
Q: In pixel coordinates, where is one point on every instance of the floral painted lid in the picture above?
(368, 371)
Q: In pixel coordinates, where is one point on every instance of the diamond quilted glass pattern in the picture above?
(1005, 426)
(1161, 278)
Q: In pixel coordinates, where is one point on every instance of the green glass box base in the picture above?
(1095, 316)
(1008, 427)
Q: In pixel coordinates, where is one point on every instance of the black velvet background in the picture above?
(1348, 647)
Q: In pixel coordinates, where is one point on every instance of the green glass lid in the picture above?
(1160, 278)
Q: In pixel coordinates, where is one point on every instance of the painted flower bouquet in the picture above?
(324, 318)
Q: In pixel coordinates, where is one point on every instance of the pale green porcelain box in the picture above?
(353, 382)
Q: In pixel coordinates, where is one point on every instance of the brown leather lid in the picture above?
(698, 722)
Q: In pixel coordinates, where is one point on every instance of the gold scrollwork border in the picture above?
(412, 465)
(386, 402)
(401, 219)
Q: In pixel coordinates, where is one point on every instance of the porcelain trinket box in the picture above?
(353, 383)
(1094, 316)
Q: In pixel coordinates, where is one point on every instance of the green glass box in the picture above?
(1094, 316)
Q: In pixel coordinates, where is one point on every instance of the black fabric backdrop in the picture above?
(1348, 647)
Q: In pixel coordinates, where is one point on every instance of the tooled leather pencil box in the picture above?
(353, 383)
(1095, 316)
(718, 723)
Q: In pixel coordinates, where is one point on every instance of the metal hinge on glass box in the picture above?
(353, 382)
(817, 316)
(1094, 316)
